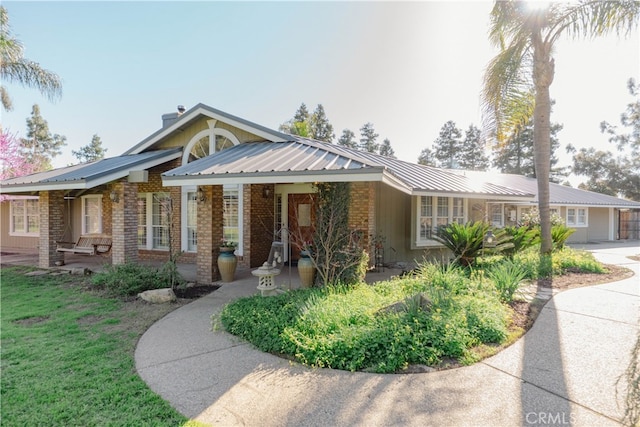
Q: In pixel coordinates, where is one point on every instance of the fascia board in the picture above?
(492, 197)
(364, 175)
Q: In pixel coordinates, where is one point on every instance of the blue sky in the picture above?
(406, 67)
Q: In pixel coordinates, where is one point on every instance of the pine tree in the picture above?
(368, 138)
(472, 155)
(427, 157)
(386, 150)
(40, 146)
(299, 125)
(348, 139)
(321, 129)
(517, 156)
(91, 152)
(448, 146)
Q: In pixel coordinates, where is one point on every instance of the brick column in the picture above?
(51, 227)
(124, 224)
(209, 234)
(362, 210)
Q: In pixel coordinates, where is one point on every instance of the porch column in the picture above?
(362, 211)
(124, 223)
(209, 234)
(51, 227)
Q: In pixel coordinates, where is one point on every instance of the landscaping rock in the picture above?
(420, 300)
(80, 271)
(158, 296)
(37, 273)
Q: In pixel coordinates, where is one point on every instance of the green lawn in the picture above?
(67, 357)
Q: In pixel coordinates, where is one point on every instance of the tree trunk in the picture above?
(543, 70)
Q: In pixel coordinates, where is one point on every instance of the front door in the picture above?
(301, 222)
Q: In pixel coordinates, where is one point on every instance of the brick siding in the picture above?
(51, 227)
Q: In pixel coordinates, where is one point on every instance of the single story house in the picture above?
(207, 176)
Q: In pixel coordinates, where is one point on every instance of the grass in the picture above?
(67, 357)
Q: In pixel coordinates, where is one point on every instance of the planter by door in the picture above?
(227, 263)
(307, 271)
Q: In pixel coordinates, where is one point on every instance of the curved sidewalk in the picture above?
(562, 372)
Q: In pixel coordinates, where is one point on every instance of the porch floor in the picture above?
(288, 279)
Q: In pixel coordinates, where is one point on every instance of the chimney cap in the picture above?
(181, 109)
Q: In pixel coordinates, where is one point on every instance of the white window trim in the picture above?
(11, 225)
(422, 243)
(576, 225)
(149, 221)
(84, 222)
(183, 217)
(183, 214)
(490, 214)
(211, 132)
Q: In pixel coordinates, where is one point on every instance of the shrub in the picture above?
(521, 238)
(466, 241)
(128, 279)
(562, 261)
(506, 277)
(559, 235)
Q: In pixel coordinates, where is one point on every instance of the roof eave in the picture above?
(353, 175)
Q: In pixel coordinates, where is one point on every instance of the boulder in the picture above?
(418, 300)
(158, 296)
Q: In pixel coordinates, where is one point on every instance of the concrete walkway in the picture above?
(562, 372)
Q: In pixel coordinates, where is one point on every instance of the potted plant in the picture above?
(227, 261)
(306, 267)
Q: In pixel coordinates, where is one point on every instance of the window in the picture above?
(458, 210)
(230, 215)
(437, 211)
(25, 217)
(153, 224)
(577, 217)
(142, 220)
(496, 211)
(426, 217)
(161, 210)
(192, 221)
(92, 214)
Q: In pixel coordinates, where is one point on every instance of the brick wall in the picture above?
(258, 224)
(362, 210)
(51, 227)
(125, 224)
(209, 234)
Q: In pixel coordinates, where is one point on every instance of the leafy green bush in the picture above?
(563, 260)
(506, 277)
(559, 235)
(521, 238)
(129, 279)
(352, 327)
(467, 241)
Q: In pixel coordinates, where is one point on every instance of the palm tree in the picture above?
(14, 67)
(517, 80)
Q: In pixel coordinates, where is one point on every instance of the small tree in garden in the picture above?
(338, 252)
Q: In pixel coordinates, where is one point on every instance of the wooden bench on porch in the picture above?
(88, 245)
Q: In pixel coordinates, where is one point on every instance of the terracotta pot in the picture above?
(307, 271)
(227, 263)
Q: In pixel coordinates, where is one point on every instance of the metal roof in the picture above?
(310, 160)
(88, 175)
(558, 194)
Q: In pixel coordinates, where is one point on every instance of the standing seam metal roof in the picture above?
(304, 155)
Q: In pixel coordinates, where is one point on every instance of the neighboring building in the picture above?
(208, 176)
